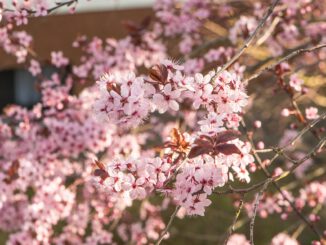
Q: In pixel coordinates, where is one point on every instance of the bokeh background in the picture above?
(103, 18)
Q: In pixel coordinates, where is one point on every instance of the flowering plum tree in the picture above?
(163, 129)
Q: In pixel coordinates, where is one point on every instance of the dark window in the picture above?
(17, 87)
(7, 88)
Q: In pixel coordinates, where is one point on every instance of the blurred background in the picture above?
(103, 18)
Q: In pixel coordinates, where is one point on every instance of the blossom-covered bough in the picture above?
(154, 135)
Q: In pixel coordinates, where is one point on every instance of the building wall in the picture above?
(57, 32)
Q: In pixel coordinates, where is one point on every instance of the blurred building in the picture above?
(101, 18)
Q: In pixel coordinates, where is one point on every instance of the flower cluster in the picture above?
(142, 48)
(185, 23)
(125, 100)
(135, 179)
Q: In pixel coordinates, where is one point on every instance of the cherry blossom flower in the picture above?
(238, 239)
(167, 99)
(34, 68)
(21, 17)
(311, 113)
(212, 124)
(58, 60)
(296, 83)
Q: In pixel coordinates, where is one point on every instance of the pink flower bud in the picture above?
(266, 162)
(252, 167)
(257, 124)
(285, 112)
(315, 243)
(284, 216)
(278, 171)
(260, 145)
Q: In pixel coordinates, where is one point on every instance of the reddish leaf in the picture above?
(227, 149)
(197, 151)
(158, 73)
(100, 165)
(12, 172)
(178, 142)
(203, 143)
(204, 138)
(101, 173)
(226, 136)
(176, 135)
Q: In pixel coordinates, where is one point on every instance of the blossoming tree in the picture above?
(165, 130)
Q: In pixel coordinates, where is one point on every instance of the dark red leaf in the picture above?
(12, 172)
(226, 136)
(203, 143)
(101, 173)
(227, 149)
(158, 73)
(198, 150)
(204, 138)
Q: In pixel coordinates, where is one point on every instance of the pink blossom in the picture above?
(296, 83)
(167, 99)
(238, 239)
(212, 124)
(311, 113)
(58, 60)
(34, 68)
(283, 239)
(21, 17)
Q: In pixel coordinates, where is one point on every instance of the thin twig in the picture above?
(300, 229)
(232, 190)
(305, 129)
(58, 5)
(296, 164)
(249, 39)
(61, 5)
(283, 59)
(159, 240)
(232, 227)
(268, 32)
(277, 178)
(256, 204)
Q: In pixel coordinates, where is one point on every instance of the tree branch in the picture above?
(258, 199)
(277, 178)
(250, 38)
(232, 227)
(283, 59)
(159, 240)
